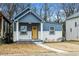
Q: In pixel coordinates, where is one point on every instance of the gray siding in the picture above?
(29, 18)
(74, 34)
(58, 27)
(29, 26)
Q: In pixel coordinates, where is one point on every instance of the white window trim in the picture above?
(49, 30)
(26, 28)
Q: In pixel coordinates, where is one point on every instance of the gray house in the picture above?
(29, 26)
(4, 26)
(72, 27)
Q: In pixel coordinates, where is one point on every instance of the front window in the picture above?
(23, 29)
(70, 29)
(52, 30)
(75, 24)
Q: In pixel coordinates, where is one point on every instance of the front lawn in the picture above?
(23, 49)
(66, 46)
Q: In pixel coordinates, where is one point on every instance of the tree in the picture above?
(8, 9)
(41, 9)
(22, 6)
(70, 8)
(47, 12)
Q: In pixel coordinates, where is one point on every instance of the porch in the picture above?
(30, 32)
(4, 27)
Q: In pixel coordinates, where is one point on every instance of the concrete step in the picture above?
(29, 41)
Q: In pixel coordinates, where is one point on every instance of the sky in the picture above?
(54, 7)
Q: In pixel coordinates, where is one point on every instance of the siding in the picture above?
(58, 27)
(74, 35)
(29, 18)
(46, 35)
(29, 26)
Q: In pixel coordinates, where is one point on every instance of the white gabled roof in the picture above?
(73, 16)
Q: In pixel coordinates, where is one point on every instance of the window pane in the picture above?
(51, 28)
(14, 26)
(70, 29)
(23, 28)
(52, 31)
(75, 24)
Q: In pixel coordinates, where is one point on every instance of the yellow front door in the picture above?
(34, 32)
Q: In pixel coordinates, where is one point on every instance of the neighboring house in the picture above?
(29, 26)
(72, 27)
(4, 26)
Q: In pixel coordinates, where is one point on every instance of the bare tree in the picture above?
(8, 9)
(41, 9)
(69, 8)
(47, 12)
(22, 6)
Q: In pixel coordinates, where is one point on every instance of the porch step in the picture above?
(29, 41)
(24, 42)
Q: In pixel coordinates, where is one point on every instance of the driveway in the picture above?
(66, 46)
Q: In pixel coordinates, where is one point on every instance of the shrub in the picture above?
(2, 41)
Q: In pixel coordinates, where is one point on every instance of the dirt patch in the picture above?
(21, 49)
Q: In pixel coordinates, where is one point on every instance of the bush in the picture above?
(62, 39)
(8, 39)
(2, 41)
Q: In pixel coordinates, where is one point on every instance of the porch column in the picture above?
(17, 31)
(41, 31)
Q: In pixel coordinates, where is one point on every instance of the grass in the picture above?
(70, 46)
(22, 49)
(72, 41)
(32, 49)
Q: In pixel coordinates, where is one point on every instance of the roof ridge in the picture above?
(22, 12)
(73, 15)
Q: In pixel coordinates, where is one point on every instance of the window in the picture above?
(70, 29)
(75, 24)
(14, 26)
(23, 29)
(52, 30)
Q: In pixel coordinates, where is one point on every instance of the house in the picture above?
(72, 27)
(29, 26)
(4, 26)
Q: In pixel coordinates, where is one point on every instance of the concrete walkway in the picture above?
(49, 48)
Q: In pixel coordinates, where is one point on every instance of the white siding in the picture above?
(74, 35)
(54, 37)
(46, 34)
(26, 37)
